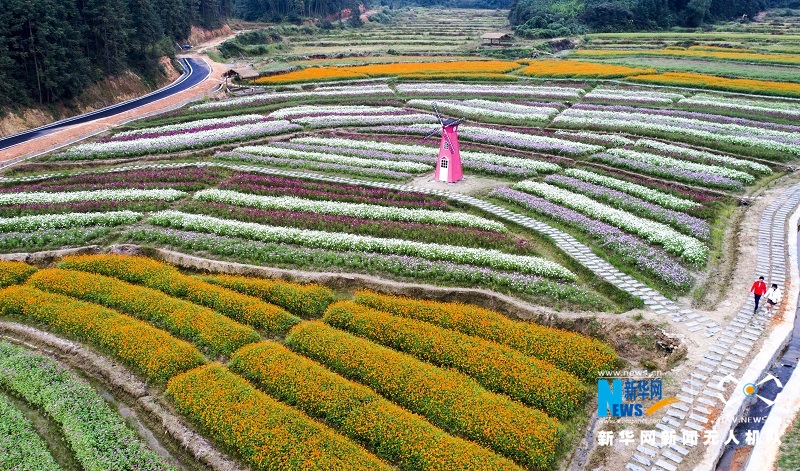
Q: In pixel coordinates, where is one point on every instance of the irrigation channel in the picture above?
(761, 399)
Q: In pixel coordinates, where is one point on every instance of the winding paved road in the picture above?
(195, 71)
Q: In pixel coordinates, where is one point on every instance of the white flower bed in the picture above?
(332, 121)
(632, 96)
(193, 124)
(699, 154)
(332, 110)
(490, 110)
(467, 89)
(722, 132)
(518, 140)
(350, 91)
(488, 157)
(414, 167)
(648, 194)
(774, 108)
(344, 242)
(43, 197)
(687, 247)
(358, 210)
(178, 142)
(63, 221)
(661, 160)
(611, 139)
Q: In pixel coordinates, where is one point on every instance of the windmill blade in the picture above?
(449, 144)
(459, 121)
(430, 134)
(438, 115)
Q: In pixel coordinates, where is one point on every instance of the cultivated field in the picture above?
(642, 154)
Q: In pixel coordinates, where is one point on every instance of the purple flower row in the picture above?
(308, 165)
(672, 173)
(276, 185)
(184, 178)
(689, 224)
(631, 249)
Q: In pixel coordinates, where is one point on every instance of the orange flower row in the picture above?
(401, 69)
(571, 352)
(166, 278)
(405, 439)
(13, 273)
(495, 366)
(207, 329)
(312, 74)
(688, 79)
(485, 77)
(152, 352)
(267, 434)
(556, 68)
(447, 398)
(302, 300)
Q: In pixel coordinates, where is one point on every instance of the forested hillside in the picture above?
(550, 18)
(51, 49)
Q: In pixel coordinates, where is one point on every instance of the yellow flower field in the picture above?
(556, 68)
(268, 434)
(12, 273)
(313, 74)
(575, 353)
(397, 435)
(689, 79)
(153, 352)
(302, 300)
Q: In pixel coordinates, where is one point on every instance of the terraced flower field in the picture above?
(376, 382)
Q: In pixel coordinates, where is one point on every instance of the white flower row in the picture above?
(687, 247)
(43, 197)
(179, 142)
(332, 121)
(639, 96)
(661, 160)
(332, 110)
(648, 194)
(488, 157)
(466, 89)
(524, 141)
(489, 109)
(699, 154)
(731, 133)
(193, 124)
(353, 91)
(284, 153)
(780, 108)
(345, 242)
(63, 221)
(611, 139)
(339, 208)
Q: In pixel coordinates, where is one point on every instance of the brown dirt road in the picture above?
(77, 132)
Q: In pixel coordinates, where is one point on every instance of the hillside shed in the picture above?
(242, 74)
(496, 39)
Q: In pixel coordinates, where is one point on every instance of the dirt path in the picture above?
(77, 132)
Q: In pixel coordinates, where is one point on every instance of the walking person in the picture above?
(758, 289)
(773, 297)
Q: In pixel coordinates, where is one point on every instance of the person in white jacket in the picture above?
(773, 297)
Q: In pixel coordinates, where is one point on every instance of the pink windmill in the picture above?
(448, 166)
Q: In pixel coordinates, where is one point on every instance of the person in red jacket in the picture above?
(758, 289)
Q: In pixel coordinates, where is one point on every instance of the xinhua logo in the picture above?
(627, 398)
